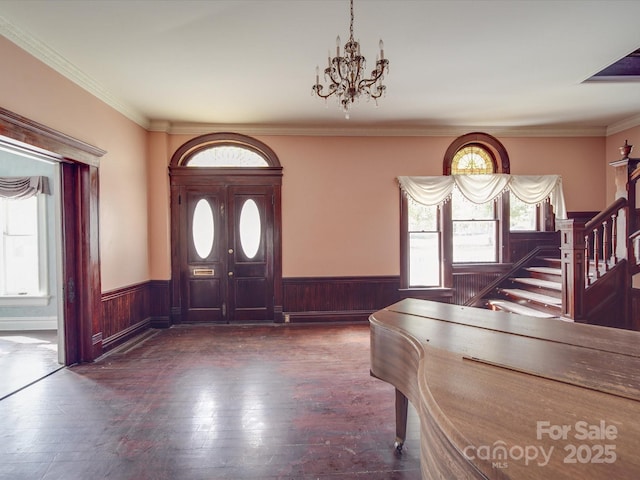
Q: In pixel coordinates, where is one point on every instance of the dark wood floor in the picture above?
(213, 402)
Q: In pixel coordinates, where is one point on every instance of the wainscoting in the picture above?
(337, 299)
(130, 310)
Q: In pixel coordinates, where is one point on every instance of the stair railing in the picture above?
(476, 300)
(583, 244)
(601, 241)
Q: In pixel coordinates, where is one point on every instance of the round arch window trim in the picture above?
(487, 142)
(211, 140)
(474, 150)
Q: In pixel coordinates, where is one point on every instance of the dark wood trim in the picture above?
(41, 139)
(634, 300)
(90, 255)
(80, 195)
(483, 139)
(352, 316)
(123, 335)
(209, 140)
(183, 177)
(337, 299)
(444, 295)
(582, 215)
(128, 311)
(467, 283)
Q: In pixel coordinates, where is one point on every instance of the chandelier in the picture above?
(345, 74)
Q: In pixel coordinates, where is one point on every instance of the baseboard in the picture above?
(28, 323)
(329, 316)
(160, 322)
(124, 335)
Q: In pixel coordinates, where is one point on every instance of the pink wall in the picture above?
(580, 161)
(614, 142)
(340, 201)
(33, 90)
(340, 197)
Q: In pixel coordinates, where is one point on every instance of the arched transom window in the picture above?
(473, 159)
(227, 156)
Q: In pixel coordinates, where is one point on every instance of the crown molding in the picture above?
(61, 65)
(623, 125)
(186, 128)
(58, 63)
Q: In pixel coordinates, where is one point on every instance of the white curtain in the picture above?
(23, 187)
(531, 189)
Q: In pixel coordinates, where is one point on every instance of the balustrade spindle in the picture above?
(605, 245)
(614, 237)
(596, 253)
(587, 257)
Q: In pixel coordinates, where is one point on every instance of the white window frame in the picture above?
(42, 297)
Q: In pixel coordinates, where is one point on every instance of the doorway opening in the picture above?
(74, 260)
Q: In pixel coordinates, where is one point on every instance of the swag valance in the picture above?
(531, 189)
(23, 187)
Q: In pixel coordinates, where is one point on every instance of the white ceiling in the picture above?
(482, 64)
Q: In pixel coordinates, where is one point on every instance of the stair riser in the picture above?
(546, 276)
(544, 291)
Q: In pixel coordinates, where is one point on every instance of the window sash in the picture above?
(424, 259)
(22, 251)
(475, 241)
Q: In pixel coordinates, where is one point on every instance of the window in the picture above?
(449, 229)
(20, 247)
(424, 244)
(227, 156)
(475, 226)
(523, 216)
(472, 160)
(475, 230)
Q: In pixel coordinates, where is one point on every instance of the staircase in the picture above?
(534, 289)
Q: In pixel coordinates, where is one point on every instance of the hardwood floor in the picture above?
(26, 357)
(213, 402)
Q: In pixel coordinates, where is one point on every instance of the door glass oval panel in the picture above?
(202, 228)
(250, 228)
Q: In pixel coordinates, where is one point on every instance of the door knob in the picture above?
(230, 274)
(231, 250)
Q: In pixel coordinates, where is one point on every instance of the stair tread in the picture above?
(536, 282)
(537, 297)
(549, 270)
(519, 309)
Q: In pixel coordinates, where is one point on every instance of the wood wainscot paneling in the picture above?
(128, 311)
(469, 279)
(337, 299)
(521, 243)
(635, 308)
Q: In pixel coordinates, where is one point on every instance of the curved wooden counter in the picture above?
(506, 396)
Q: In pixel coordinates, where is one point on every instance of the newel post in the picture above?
(626, 188)
(573, 264)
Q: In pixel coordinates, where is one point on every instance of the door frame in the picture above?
(80, 276)
(181, 176)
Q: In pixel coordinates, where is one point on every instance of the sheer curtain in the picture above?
(531, 189)
(23, 187)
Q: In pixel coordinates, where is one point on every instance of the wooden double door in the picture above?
(226, 246)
